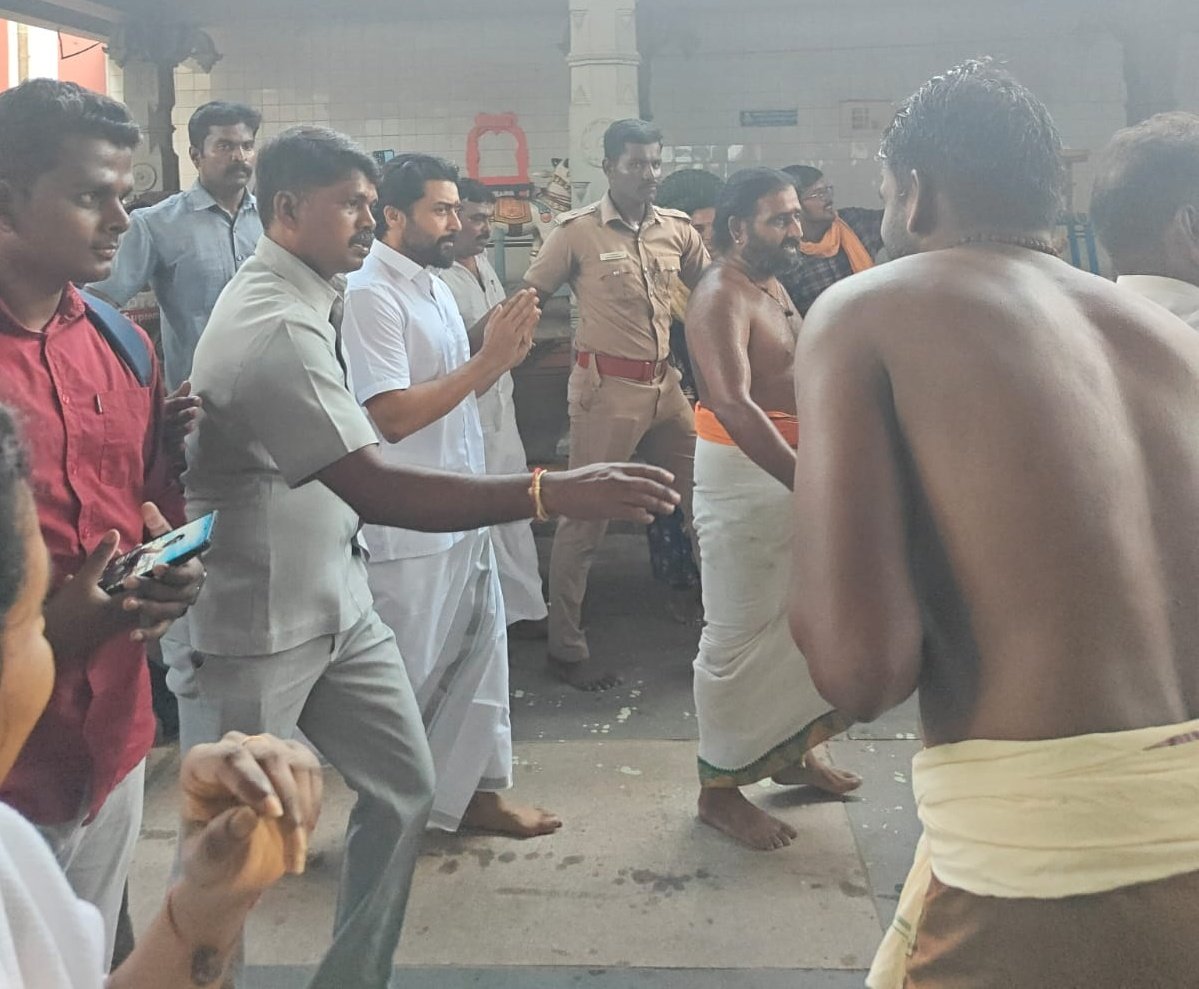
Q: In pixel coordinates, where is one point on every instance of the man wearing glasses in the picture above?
(836, 243)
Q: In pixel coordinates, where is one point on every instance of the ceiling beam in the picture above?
(82, 17)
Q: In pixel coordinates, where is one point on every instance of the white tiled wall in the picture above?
(405, 85)
(815, 58)
(417, 84)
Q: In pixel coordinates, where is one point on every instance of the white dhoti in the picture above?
(447, 612)
(515, 550)
(757, 708)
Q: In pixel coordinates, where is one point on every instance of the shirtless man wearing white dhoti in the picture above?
(758, 711)
(477, 289)
(410, 365)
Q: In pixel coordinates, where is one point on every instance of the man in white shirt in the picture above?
(477, 289)
(440, 593)
(1145, 207)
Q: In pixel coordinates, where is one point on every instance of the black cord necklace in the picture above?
(788, 312)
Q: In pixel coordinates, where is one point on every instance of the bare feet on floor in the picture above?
(583, 676)
(728, 810)
(489, 811)
(818, 772)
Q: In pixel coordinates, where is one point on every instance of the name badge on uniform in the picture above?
(614, 256)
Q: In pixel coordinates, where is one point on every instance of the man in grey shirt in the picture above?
(286, 634)
(188, 246)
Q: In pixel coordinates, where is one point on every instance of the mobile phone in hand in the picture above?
(169, 549)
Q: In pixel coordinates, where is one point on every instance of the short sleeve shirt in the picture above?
(623, 278)
(283, 568)
(402, 328)
(187, 247)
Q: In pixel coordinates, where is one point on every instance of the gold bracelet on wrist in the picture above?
(539, 512)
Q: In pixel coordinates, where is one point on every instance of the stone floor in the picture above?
(633, 891)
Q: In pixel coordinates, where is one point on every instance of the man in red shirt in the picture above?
(100, 478)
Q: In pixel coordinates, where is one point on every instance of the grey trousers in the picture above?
(96, 856)
(350, 695)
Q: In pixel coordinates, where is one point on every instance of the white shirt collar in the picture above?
(401, 264)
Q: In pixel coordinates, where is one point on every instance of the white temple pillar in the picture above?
(603, 85)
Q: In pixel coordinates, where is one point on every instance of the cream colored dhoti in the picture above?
(757, 708)
(1048, 820)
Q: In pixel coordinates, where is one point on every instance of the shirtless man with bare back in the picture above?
(759, 714)
(996, 505)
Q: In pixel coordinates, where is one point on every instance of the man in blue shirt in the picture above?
(188, 246)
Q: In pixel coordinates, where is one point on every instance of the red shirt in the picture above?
(93, 436)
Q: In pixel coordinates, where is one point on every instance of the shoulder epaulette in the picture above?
(574, 214)
(678, 213)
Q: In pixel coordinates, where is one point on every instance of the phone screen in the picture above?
(177, 546)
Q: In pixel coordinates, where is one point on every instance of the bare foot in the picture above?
(583, 676)
(727, 810)
(816, 771)
(491, 812)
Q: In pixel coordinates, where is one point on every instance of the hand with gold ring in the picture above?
(249, 805)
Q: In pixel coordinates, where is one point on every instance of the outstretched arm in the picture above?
(718, 327)
(854, 611)
(438, 501)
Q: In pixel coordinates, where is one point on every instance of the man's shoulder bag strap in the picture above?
(122, 336)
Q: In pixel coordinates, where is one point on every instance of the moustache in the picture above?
(792, 243)
(364, 239)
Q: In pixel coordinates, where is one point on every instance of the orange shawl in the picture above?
(838, 237)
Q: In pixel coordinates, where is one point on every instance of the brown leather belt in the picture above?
(622, 367)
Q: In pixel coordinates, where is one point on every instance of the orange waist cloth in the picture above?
(708, 427)
(839, 237)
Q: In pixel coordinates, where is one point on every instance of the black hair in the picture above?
(739, 199)
(474, 191)
(38, 115)
(986, 142)
(629, 131)
(14, 502)
(303, 158)
(403, 183)
(804, 176)
(218, 113)
(1142, 178)
(689, 189)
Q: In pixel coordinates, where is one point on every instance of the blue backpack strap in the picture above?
(122, 336)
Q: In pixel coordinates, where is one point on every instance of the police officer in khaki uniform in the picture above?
(623, 257)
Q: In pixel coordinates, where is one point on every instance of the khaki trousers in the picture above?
(610, 420)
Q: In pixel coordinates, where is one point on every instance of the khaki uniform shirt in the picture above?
(283, 568)
(623, 279)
